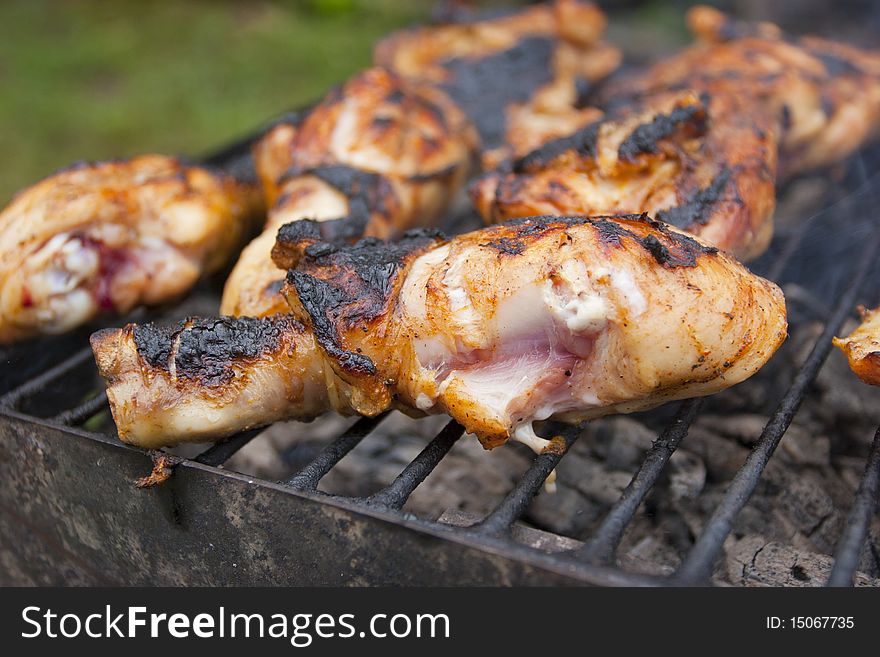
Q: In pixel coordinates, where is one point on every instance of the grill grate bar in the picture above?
(30, 388)
(83, 411)
(601, 547)
(311, 474)
(395, 495)
(518, 499)
(218, 453)
(846, 558)
(697, 565)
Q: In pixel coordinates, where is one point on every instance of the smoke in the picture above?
(812, 255)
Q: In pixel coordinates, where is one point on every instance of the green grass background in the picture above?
(94, 79)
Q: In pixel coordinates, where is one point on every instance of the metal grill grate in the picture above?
(593, 561)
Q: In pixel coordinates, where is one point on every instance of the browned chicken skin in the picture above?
(110, 236)
(824, 95)
(700, 163)
(862, 347)
(566, 317)
(377, 156)
(804, 102)
(520, 77)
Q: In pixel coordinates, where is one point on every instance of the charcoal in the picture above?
(286, 446)
(468, 479)
(744, 428)
(650, 556)
(621, 442)
(800, 446)
(755, 561)
(721, 456)
(687, 474)
(592, 479)
(567, 511)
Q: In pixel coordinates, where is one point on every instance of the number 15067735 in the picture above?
(810, 623)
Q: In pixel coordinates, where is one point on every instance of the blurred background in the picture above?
(96, 79)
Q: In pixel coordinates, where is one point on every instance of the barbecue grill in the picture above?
(70, 513)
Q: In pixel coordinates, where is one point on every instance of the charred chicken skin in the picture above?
(823, 95)
(114, 235)
(700, 163)
(377, 156)
(522, 78)
(862, 347)
(772, 106)
(565, 317)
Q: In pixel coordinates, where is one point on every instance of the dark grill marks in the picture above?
(611, 232)
(674, 249)
(645, 138)
(696, 210)
(367, 193)
(837, 66)
(154, 342)
(582, 142)
(583, 91)
(322, 302)
(506, 246)
(343, 287)
(496, 81)
(669, 248)
(207, 349)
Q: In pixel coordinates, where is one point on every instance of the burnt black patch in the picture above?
(697, 209)
(395, 97)
(671, 249)
(153, 342)
(611, 232)
(293, 238)
(518, 233)
(785, 118)
(828, 105)
(320, 299)
(367, 193)
(583, 92)
(348, 180)
(382, 122)
(837, 66)
(506, 246)
(484, 87)
(315, 237)
(347, 286)
(583, 142)
(646, 137)
(207, 350)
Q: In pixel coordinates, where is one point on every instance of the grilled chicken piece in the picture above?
(862, 347)
(825, 96)
(701, 163)
(113, 235)
(203, 379)
(522, 78)
(377, 156)
(804, 102)
(567, 317)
